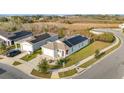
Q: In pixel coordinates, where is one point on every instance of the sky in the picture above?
(61, 7)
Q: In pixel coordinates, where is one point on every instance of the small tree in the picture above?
(97, 53)
(43, 66)
(62, 61)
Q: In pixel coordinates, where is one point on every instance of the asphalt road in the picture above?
(8, 72)
(111, 67)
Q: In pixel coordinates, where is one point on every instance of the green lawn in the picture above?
(29, 57)
(16, 63)
(67, 73)
(85, 52)
(40, 74)
(92, 61)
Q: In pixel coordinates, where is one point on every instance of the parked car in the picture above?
(13, 53)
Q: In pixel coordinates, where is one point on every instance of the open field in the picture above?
(75, 28)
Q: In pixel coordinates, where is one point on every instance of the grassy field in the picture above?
(39, 74)
(75, 28)
(85, 52)
(67, 73)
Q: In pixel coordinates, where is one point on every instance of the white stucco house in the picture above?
(37, 41)
(64, 47)
(121, 26)
(9, 38)
(96, 32)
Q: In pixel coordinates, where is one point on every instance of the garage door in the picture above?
(27, 48)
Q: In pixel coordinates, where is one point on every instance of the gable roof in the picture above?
(19, 34)
(56, 45)
(14, 35)
(40, 37)
(5, 33)
(75, 40)
(65, 44)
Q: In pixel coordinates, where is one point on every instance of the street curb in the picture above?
(85, 69)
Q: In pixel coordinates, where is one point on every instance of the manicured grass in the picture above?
(67, 73)
(85, 52)
(29, 57)
(16, 63)
(92, 61)
(40, 74)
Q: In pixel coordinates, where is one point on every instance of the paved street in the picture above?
(111, 67)
(8, 72)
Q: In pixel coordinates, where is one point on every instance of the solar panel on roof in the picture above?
(20, 34)
(75, 40)
(41, 37)
(67, 43)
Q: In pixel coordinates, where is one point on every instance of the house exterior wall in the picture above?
(62, 53)
(35, 46)
(25, 46)
(43, 42)
(6, 40)
(49, 52)
(75, 48)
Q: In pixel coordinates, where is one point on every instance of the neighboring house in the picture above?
(96, 32)
(121, 26)
(37, 41)
(9, 38)
(65, 47)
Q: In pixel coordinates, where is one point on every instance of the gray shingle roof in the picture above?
(14, 35)
(6, 34)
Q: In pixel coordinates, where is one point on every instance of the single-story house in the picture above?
(121, 26)
(37, 41)
(9, 38)
(65, 47)
(96, 32)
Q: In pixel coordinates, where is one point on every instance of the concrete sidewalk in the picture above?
(86, 59)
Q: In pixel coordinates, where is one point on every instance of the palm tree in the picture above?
(43, 66)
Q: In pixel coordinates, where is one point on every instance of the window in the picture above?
(66, 51)
(82, 44)
(62, 53)
(72, 49)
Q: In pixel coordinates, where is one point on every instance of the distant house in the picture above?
(9, 38)
(96, 32)
(121, 26)
(37, 41)
(65, 47)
